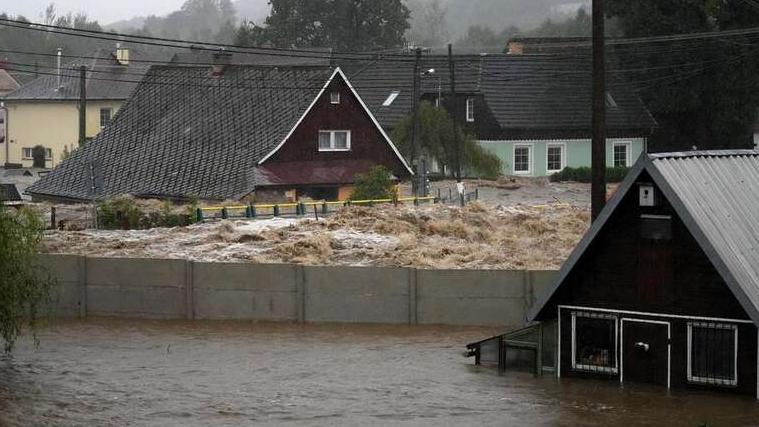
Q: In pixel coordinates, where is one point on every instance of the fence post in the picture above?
(276, 210)
(416, 201)
(252, 211)
(325, 209)
(52, 217)
(224, 213)
(302, 208)
(477, 193)
(198, 215)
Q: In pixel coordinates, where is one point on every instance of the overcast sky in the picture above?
(104, 11)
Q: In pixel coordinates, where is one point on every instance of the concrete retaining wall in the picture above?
(175, 289)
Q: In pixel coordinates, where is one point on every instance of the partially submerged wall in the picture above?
(179, 289)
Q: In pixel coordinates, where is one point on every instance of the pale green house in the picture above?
(536, 158)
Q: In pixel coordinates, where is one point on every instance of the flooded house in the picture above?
(231, 131)
(664, 287)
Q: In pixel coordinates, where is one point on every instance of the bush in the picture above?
(24, 287)
(119, 212)
(375, 184)
(584, 174)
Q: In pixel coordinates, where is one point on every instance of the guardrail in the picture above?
(294, 209)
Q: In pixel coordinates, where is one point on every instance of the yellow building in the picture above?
(45, 111)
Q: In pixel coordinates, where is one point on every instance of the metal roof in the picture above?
(716, 195)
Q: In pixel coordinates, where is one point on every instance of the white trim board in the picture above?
(339, 72)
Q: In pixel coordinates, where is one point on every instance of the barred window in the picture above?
(105, 117)
(712, 353)
(594, 342)
(621, 154)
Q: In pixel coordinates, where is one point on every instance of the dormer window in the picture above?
(334, 97)
(334, 140)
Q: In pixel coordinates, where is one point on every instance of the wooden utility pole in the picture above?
(82, 105)
(598, 150)
(454, 104)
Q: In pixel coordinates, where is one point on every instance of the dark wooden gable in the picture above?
(640, 261)
(367, 145)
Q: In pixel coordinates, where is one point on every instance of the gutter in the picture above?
(7, 141)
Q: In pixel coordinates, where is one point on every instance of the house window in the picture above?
(594, 342)
(334, 140)
(28, 153)
(334, 98)
(555, 158)
(105, 117)
(522, 159)
(470, 109)
(713, 353)
(621, 154)
(390, 98)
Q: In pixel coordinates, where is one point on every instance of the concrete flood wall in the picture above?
(179, 289)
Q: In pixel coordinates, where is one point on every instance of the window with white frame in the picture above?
(105, 117)
(522, 159)
(555, 157)
(621, 154)
(28, 153)
(334, 140)
(595, 339)
(713, 353)
(470, 109)
(334, 97)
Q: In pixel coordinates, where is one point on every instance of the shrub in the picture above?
(119, 212)
(375, 184)
(24, 288)
(584, 174)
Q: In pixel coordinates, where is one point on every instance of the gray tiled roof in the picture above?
(253, 56)
(523, 92)
(106, 79)
(184, 133)
(716, 195)
(554, 92)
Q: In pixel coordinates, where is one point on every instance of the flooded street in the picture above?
(118, 372)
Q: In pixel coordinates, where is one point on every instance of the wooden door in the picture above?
(645, 351)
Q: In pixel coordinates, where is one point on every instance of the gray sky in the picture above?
(104, 11)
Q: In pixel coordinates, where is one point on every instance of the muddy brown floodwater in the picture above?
(117, 372)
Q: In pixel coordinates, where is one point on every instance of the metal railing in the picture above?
(295, 209)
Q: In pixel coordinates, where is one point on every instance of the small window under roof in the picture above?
(390, 98)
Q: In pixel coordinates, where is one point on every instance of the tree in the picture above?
(376, 184)
(344, 25)
(705, 92)
(437, 141)
(24, 289)
(485, 37)
(429, 26)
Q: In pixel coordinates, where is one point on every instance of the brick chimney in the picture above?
(221, 60)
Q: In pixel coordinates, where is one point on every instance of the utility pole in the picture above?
(415, 125)
(455, 105)
(82, 105)
(598, 145)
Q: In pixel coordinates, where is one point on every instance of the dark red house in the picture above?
(664, 287)
(230, 132)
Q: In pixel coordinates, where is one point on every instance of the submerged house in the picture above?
(532, 110)
(664, 287)
(230, 132)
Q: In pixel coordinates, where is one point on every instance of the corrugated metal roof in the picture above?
(719, 195)
(716, 195)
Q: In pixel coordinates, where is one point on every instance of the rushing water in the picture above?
(112, 372)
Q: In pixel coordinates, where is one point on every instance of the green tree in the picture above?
(436, 140)
(374, 185)
(24, 289)
(344, 25)
(429, 24)
(705, 92)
